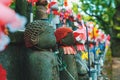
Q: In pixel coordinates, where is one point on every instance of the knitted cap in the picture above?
(33, 30)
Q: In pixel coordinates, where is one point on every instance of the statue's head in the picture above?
(42, 2)
(39, 34)
(64, 36)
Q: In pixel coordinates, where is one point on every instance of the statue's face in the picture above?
(68, 40)
(39, 35)
(47, 39)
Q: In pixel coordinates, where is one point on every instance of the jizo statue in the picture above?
(41, 10)
(39, 37)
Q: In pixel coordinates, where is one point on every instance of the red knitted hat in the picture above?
(61, 32)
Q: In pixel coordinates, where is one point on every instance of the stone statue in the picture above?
(65, 40)
(41, 10)
(39, 37)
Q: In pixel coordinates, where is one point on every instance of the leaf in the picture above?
(75, 8)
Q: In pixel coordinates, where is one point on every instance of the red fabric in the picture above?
(78, 34)
(55, 12)
(51, 4)
(3, 74)
(32, 1)
(69, 50)
(80, 47)
(79, 16)
(61, 32)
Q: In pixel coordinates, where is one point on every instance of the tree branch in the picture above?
(100, 20)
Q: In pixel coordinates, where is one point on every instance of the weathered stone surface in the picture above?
(13, 60)
(43, 66)
(68, 40)
(41, 12)
(39, 34)
(16, 58)
(41, 8)
(17, 37)
(71, 67)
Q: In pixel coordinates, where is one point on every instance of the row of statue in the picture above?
(57, 48)
(66, 37)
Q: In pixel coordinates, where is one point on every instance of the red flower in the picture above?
(51, 4)
(2, 73)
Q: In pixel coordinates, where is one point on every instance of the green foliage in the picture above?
(118, 35)
(98, 8)
(117, 28)
(88, 18)
(75, 8)
(12, 5)
(102, 10)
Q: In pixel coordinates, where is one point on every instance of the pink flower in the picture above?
(6, 2)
